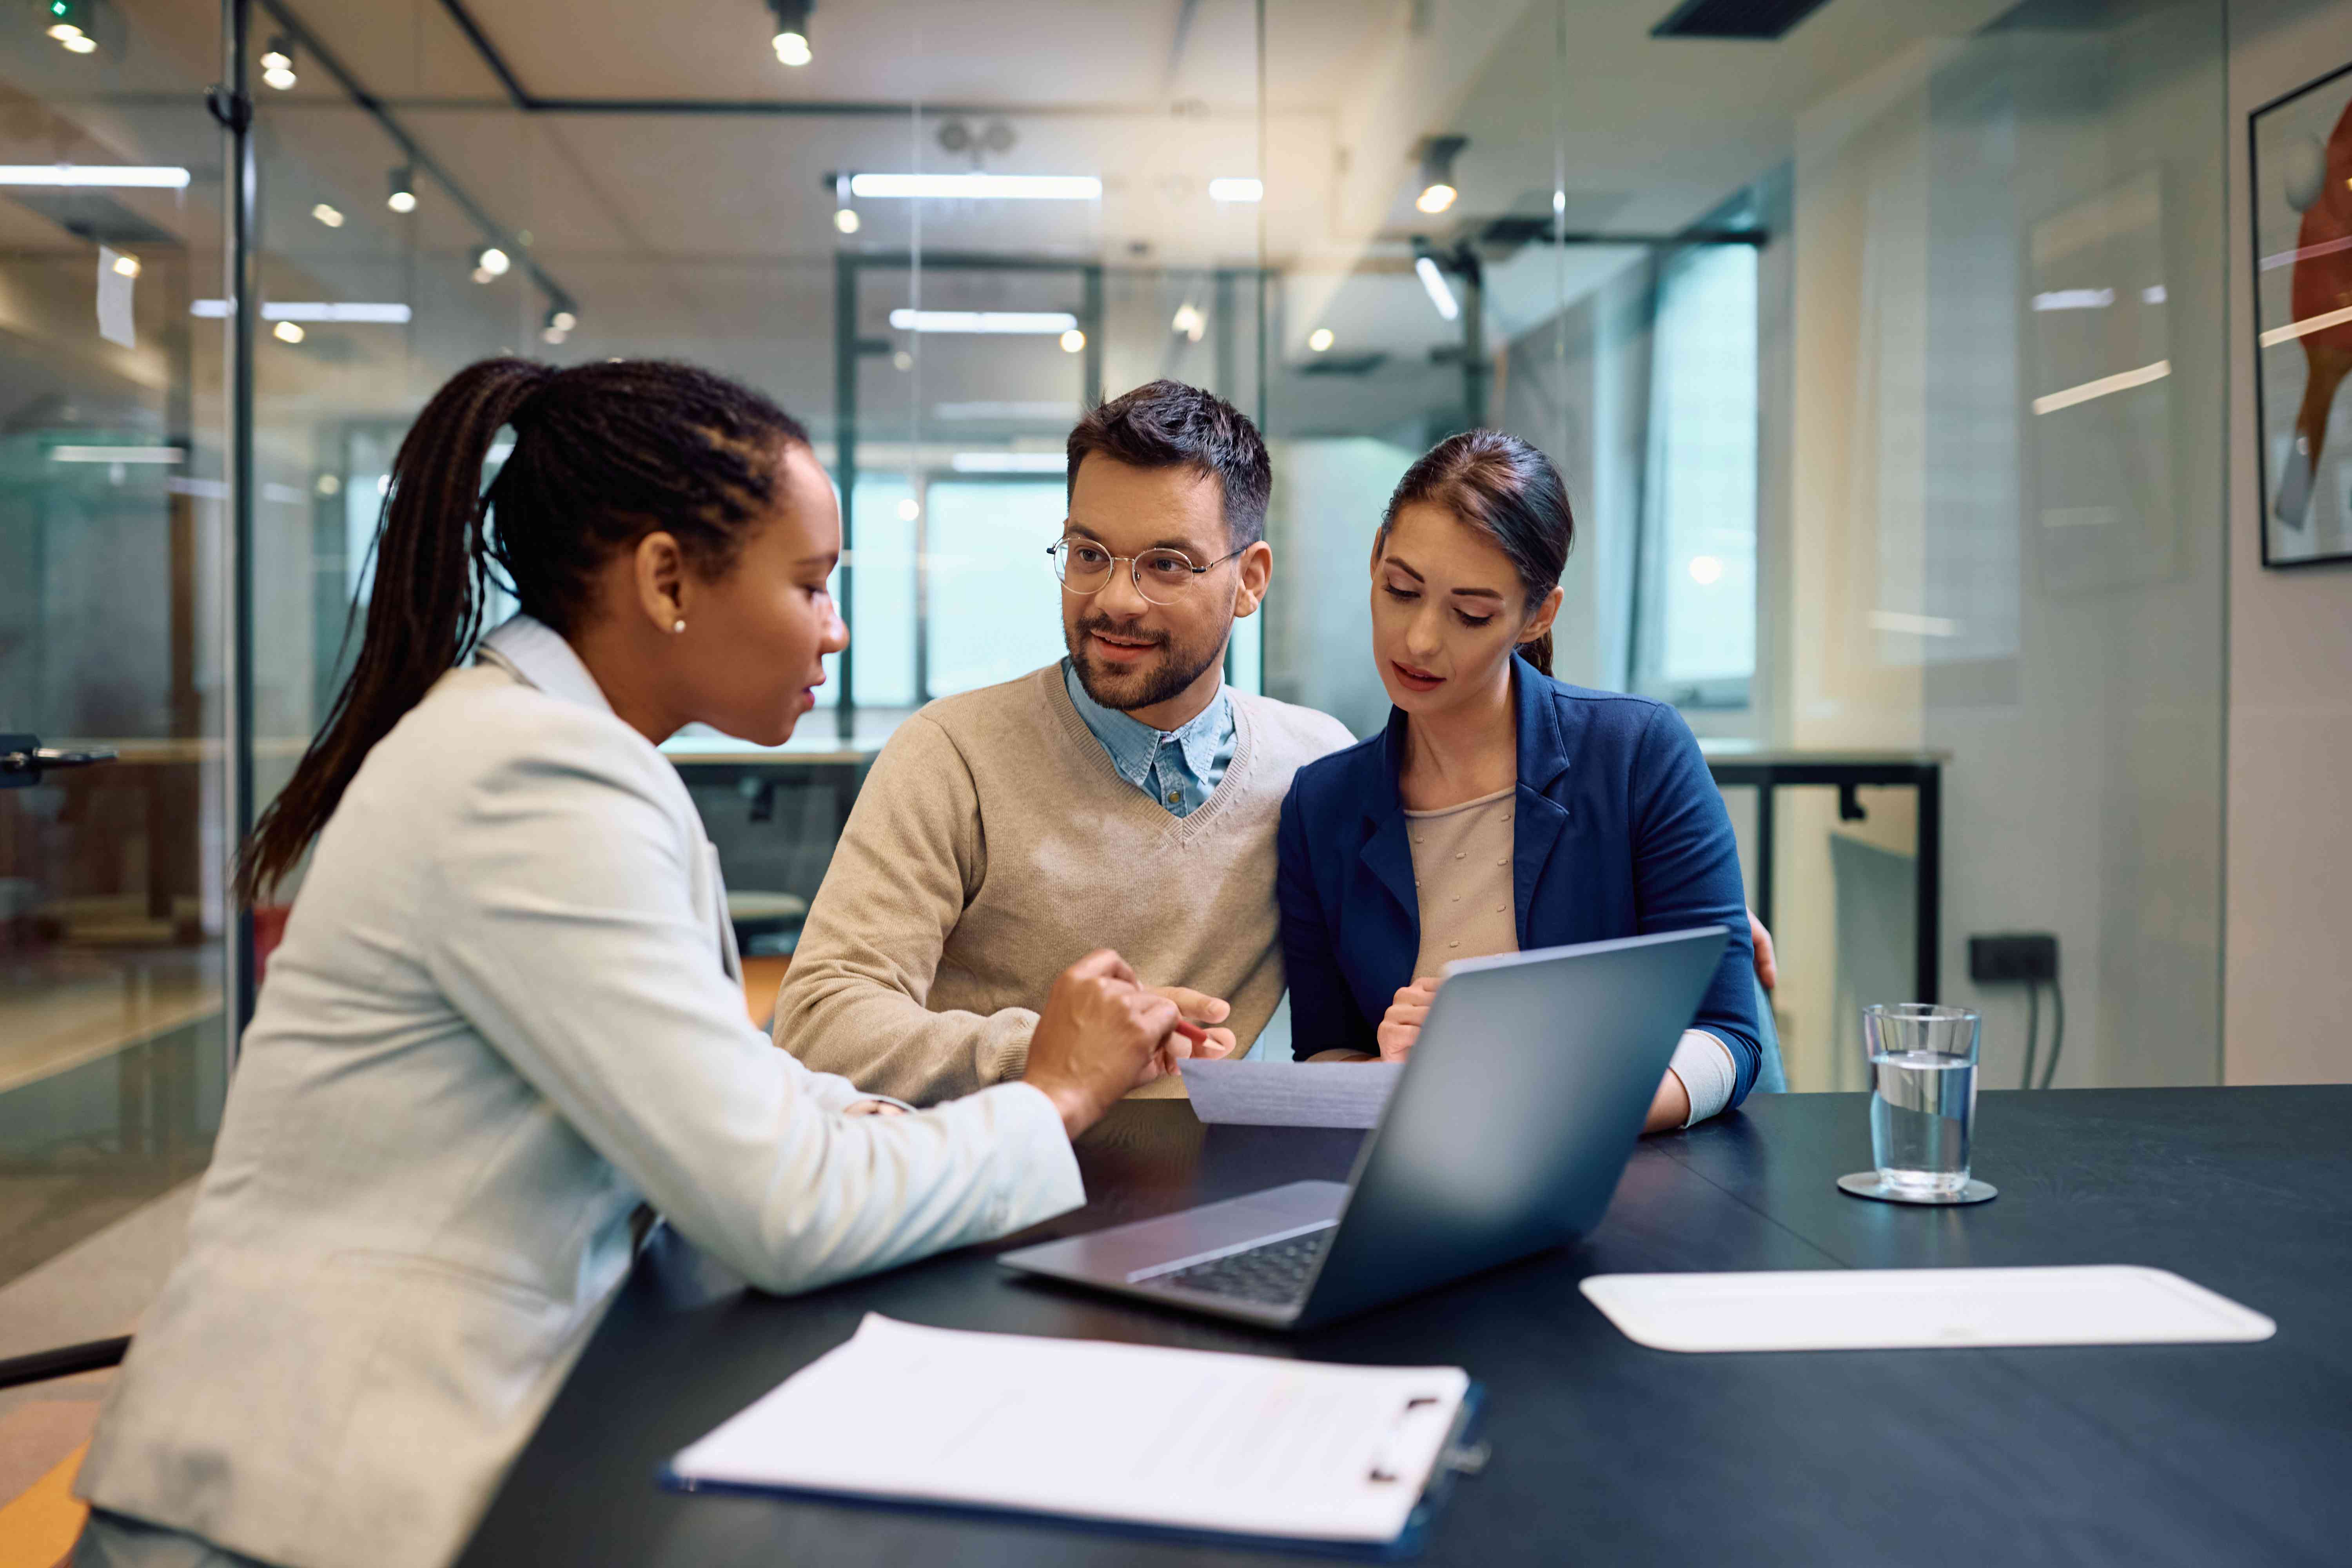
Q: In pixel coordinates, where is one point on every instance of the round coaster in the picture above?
(1866, 1184)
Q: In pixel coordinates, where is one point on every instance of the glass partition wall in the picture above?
(1789, 313)
(113, 552)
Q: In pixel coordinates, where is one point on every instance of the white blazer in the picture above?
(502, 1017)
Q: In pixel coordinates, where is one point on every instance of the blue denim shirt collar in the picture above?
(1134, 745)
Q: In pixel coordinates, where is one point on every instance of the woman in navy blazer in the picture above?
(1501, 810)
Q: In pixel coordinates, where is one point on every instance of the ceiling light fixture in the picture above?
(1433, 280)
(970, 187)
(80, 43)
(791, 41)
(1190, 322)
(1319, 341)
(328, 216)
(126, 266)
(1437, 189)
(1237, 188)
(1045, 323)
(287, 332)
(845, 219)
(1073, 340)
(1010, 463)
(94, 176)
(491, 263)
(392, 313)
(402, 198)
(278, 63)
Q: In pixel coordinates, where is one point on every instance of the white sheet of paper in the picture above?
(1189, 1439)
(1291, 1094)
(1919, 1308)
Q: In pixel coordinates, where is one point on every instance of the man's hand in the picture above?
(1100, 1034)
(1402, 1026)
(1204, 1039)
(1767, 973)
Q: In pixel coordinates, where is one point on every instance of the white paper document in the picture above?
(1291, 1094)
(1919, 1308)
(1182, 1439)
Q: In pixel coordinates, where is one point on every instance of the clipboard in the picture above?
(728, 1461)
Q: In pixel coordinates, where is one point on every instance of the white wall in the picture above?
(2288, 986)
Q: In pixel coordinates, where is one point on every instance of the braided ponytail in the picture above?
(604, 455)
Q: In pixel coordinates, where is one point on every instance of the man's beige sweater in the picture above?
(992, 847)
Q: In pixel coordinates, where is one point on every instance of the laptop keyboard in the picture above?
(1275, 1273)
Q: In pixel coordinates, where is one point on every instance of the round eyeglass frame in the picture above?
(1057, 555)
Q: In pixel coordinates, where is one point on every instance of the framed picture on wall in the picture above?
(2301, 148)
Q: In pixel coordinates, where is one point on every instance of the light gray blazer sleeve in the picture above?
(563, 927)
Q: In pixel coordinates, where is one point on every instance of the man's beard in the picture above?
(1125, 690)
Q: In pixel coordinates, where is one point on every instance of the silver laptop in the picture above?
(1506, 1133)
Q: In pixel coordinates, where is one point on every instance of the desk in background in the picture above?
(1739, 764)
(1605, 1452)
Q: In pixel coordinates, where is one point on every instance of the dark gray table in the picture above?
(1605, 1452)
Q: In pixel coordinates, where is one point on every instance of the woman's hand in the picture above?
(1768, 972)
(1401, 1026)
(1100, 1034)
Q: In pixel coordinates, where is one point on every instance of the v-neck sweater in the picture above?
(992, 845)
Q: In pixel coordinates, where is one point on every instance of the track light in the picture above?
(791, 40)
(1437, 190)
(70, 22)
(402, 198)
(491, 263)
(80, 43)
(1433, 279)
(278, 64)
(1073, 340)
(559, 324)
(328, 215)
(1191, 323)
(1319, 341)
(287, 332)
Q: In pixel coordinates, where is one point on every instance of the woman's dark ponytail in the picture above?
(603, 453)
(1500, 484)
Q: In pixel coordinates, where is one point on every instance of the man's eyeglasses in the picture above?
(1162, 576)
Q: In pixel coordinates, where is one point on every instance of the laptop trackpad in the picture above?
(1148, 1247)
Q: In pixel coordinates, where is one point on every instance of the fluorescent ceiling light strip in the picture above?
(94, 175)
(1434, 281)
(969, 187)
(1061, 413)
(1042, 322)
(1237, 189)
(392, 315)
(2306, 326)
(2105, 384)
(1010, 463)
(1917, 626)
(2074, 299)
(115, 454)
(2289, 257)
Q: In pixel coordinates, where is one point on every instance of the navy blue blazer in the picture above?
(1619, 832)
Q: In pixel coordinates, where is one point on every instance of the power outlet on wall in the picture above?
(2016, 957)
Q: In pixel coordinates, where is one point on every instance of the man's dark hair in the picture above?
(1167, 425)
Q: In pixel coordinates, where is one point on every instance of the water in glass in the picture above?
(1922, 1108)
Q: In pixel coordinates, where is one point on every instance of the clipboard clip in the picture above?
(1455, 1453)
(1464, 1458)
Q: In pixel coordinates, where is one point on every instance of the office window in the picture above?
(993, 608)
(1694, 610)
(881, 610)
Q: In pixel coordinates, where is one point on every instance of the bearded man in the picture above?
(1123, 796)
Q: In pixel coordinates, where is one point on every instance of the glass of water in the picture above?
(1923, 1096)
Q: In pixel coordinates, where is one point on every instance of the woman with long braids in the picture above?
(1501, 810)
(504, 1017)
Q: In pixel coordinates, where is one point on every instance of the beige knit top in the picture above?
(1462, 867)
